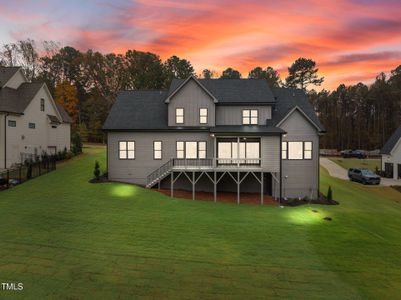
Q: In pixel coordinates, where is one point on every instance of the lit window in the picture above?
(12, 123)
(307, 150)
(250, 117)
(191, 150)
(42, 104)
(284, 150)
(201, 149)
(295, 150)
(126, 149)
(203, 115)
(252, 150)
(32, 125)
(180, 149)
(179, 116)
(157, 150)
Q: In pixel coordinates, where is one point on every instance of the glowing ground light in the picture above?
(302, 217)
(123, 190)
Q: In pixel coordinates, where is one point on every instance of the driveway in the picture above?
(337, 171)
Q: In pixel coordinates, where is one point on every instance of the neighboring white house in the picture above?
(30, 121)
(391, 156)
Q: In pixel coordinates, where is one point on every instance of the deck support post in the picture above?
(238, 188)
(261, 188)
(215, 187)
(193, 185)
(172, 184)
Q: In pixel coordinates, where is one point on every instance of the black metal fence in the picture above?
(27, 171)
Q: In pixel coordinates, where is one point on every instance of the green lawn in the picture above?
(347, 163)
(64, 238)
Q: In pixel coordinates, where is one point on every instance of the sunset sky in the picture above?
(351, 41)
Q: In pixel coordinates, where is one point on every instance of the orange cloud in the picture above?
(349, 39)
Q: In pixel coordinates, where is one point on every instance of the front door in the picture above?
(399, 171)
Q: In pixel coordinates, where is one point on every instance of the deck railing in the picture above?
(201, 163)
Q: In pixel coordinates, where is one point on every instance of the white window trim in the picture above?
(157, 150)
(177, 116)
(126, 150)
(203, 116)
(250, 118)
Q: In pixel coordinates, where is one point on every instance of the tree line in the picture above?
(87, 83)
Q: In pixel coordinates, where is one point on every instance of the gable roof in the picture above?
(16, 100)
(65, 117)
(391, 142)
(6, 73)
(138, 110)
(182, 84)
(289, 100)
(232, 91)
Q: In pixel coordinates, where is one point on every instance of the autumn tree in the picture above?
(66, 96)
(272, 77)
(303, 72)
(230, 73)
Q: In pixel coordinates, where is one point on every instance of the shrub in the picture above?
(76, 143)
(29, 171)
(330, 194)
(96, 172)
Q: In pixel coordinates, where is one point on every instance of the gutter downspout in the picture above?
(5, 140)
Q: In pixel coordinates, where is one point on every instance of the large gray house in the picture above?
(216, 135)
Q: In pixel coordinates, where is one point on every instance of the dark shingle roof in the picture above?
(138, 110)
(16, 100)
(264, 130)
(53, 119)
(146, 110)
(65, 117)
(233, 90)
(286, 100)
(6, 73)
(391, 142)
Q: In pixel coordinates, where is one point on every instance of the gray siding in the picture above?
(302, 175)
(191, 97)
(232, 115)
(137, 170)
(270, 153)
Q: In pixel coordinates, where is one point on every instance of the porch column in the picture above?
(238, 153)
(193, 185)
(215, 187)
(172, 184)
(261, 188)
(214, 151)
(238, 188)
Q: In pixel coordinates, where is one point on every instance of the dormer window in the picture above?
(203, 115)
(42, 104)
(250, 117)
(179, 116)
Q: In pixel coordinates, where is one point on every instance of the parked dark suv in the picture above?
(353, 153)
(364, 176)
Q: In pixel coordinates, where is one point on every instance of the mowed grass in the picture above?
(347, 163)
(64, 238)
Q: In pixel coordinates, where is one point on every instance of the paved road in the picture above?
(337, 171)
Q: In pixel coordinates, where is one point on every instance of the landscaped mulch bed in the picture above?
(296, 202)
